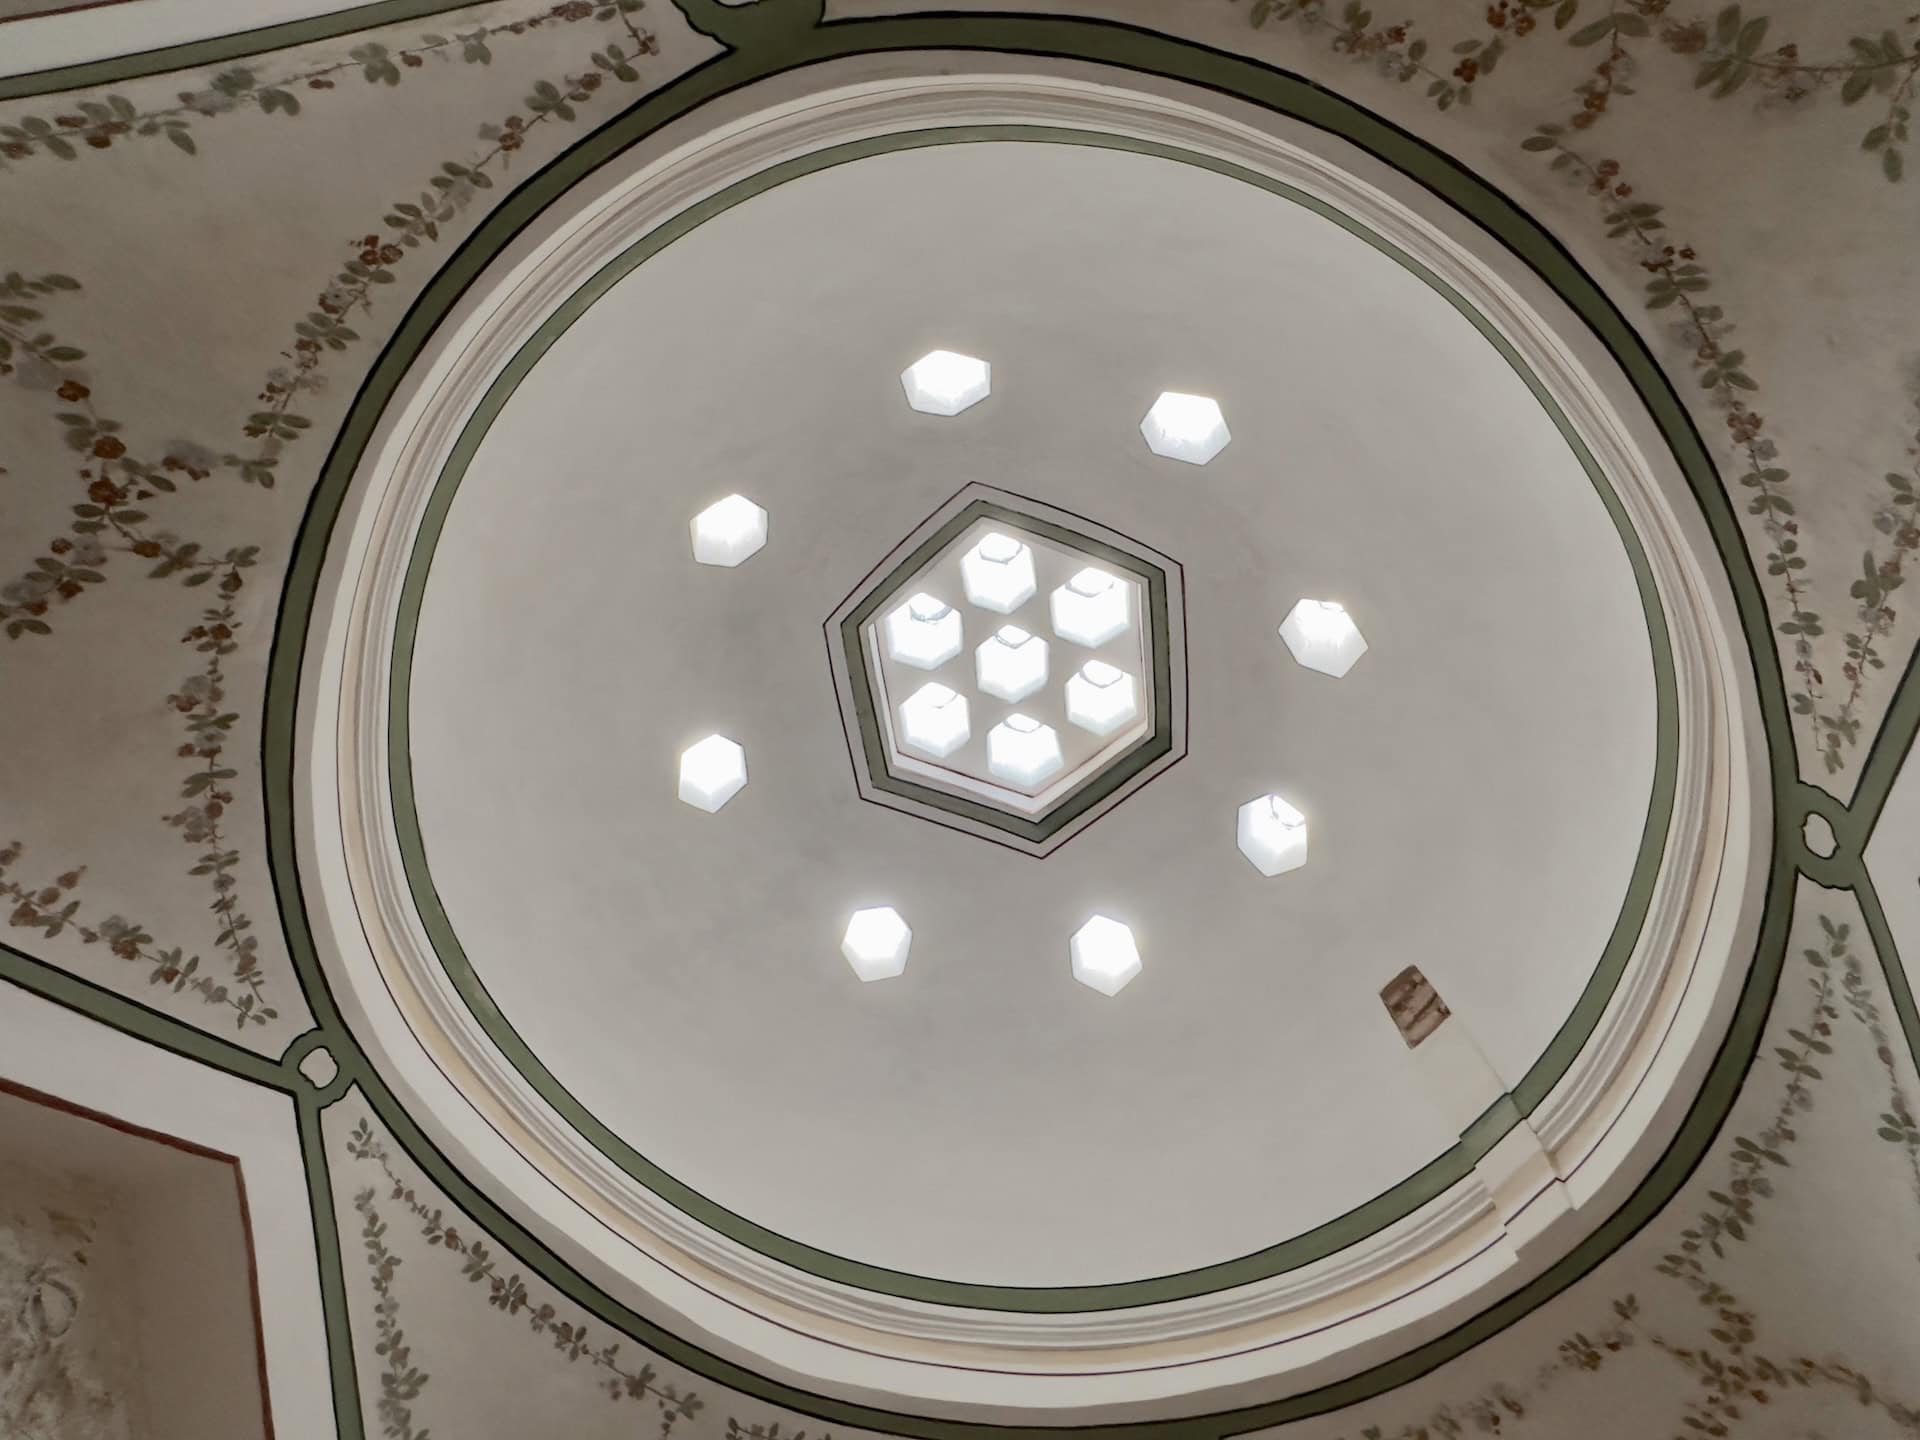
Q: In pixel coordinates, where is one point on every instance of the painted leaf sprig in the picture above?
(100, 124)
(326, 328)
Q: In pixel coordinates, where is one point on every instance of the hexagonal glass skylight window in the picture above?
(1015, 670)
(876, 943)
(1104, 955)
(728, 531)
(1272, 835)
(1185, 427)
(1322, 636)
(942, 382)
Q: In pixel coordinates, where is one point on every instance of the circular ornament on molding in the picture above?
(976, 1190)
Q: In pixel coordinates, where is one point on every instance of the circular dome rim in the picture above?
(1322, 1241)
(1679, 468)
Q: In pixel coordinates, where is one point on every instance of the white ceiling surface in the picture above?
(1476, 786)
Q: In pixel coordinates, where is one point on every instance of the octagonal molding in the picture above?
(1027, 801)
(1175, 1344)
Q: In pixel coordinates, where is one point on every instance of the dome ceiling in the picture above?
(1230, 1120)
(1384, 916)
(1478, 788)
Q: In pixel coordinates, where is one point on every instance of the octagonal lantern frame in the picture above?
(882, 781)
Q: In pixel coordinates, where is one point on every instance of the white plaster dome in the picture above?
(647, 1000)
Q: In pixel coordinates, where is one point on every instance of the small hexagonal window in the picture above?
(1023, 750)
(1185, 427)
(729, 531)
(1011, 664)
(712, 772)
(944, 383)
(1101, 698)
(1104, 955)
(876, 943)
(1091, 608)
(933, 720)
(998, 573)
(1322, 636)
(924, 632)
(1273, 835)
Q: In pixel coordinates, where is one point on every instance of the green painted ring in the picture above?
(1127, 48)
(1323, 1240)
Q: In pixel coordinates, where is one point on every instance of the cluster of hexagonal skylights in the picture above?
(1042, 726)
(1011, 668)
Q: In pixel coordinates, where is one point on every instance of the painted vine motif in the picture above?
(110, 119)
(120, 485)
(620, 1379)
(1727, 51)
(54, 908)
(1735, 1380)
(207, 787)
(1679, 280)
(412, 222)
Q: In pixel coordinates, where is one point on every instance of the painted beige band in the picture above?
(1604, 1122)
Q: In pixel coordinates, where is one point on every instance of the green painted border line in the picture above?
(1892, 744)
(1126, 48)
(341, 1370)
(1304, 1248)
(109, 1007)
(1891, 967)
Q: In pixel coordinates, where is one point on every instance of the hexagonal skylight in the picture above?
(1011, 663)
(728, 531)
(712, 772)
(1091, 608)
(933, 720)
(1185, 427)
(1023, 750)
(944, 383)
(923, 631)
(1101, 698)
(1104, 955)
(998, 572)
(1272, 835)
(876, 943)
(1011, 666)
(1323, 637)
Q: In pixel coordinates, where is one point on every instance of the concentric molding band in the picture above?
(444, 942)
(1600, 1086)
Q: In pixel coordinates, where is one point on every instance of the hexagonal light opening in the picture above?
(1042, 777)
(1104, 955)
(998, 572)
(876, 943)
(1322, 636)
(934, 720)
(1185, 427)
(1023, 750)
(728, 531)
(942, 382)
(1101, 698)
(1011, 663)
(1091, 608)
(712, 772)
(924, 631)
(1273, 835)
